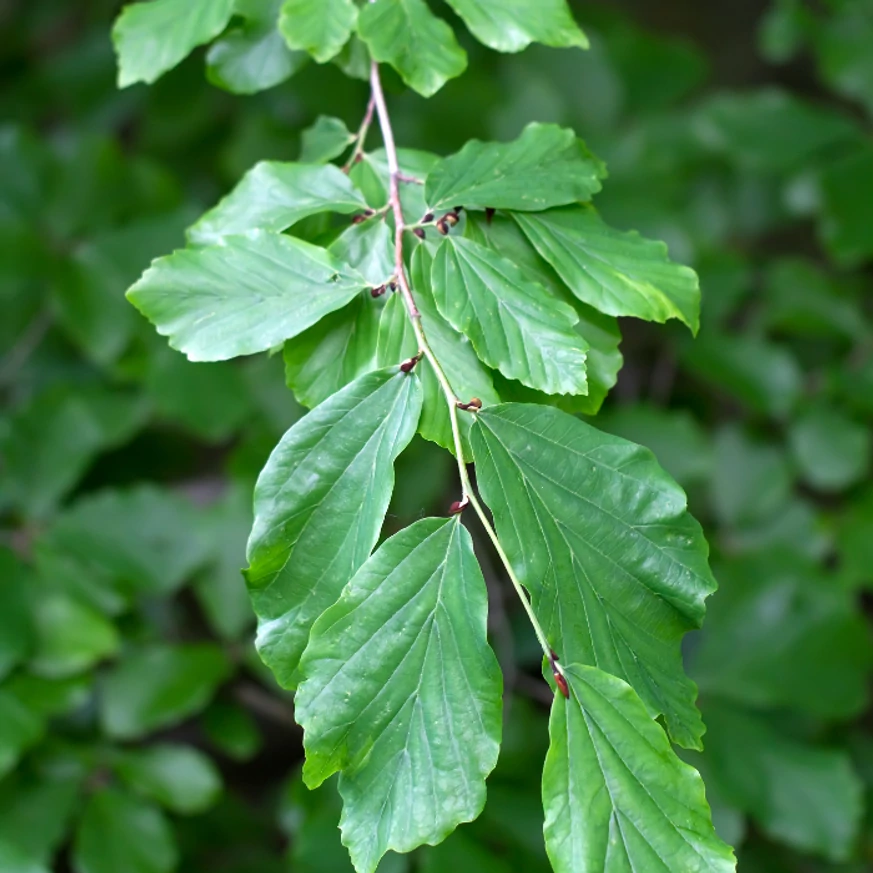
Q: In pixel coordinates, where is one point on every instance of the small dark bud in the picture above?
(359, 157)
(458, 208)
(442, 227)
(377, 292)
(561, 682)
(392, 285)
(451, 218)
(419, 232)
(359, 219)
(489, 214)
(475, 403)
(553, 656)
(408, 366)
(428, 218)
(458, 506)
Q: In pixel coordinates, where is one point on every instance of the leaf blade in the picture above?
(320, 27)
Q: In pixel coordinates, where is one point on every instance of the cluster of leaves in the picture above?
(764, 419)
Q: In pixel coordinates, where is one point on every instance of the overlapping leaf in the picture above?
(244, 295)
(616, 273)
(420, 46)
(319, 506)
(320, 27)
(273, 195)
(616, 797)
(546, 166)
(514, 324)
(512, 25)
(151, 38)
(402, 693)
(599, 534)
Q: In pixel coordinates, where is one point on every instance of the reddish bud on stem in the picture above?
(475, 403)
(428, 218)
(561, 682)
(442, 227)
(377, 292)
(419, 232)
(408, 366)
(458, 506)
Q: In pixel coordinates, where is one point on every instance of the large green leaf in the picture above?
(511, 25)
(319, 506)
(847, 206)
(341, 347)
(273, 195)
(600, 536)
(515, 325)
(615, 795)
(467, 375)
(616, 273)
(151, 38)
(320, 27)
(546, 166)
(403, 694)
(16, 622)
(420, 46)
(160, 685)
(19, 730)
(369, 248)
(245, 295)
(119, 833)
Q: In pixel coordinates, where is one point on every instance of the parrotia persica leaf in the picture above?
(515, 324)
(325, 140)
(402, 693)
(600, 536)
(274, 195)
(369, 248)
(320, 27)
(616, 273)
(319, 506)
(546, 166)
(467, 375)
(616, 796)
(511, 25)
(420, 46)
(151, 38)
(243, 295)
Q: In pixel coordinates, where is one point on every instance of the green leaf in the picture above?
(273, 195)
(616, 273)
(546, 166)
(334, 352)
(19, 730)
(782, 635)
(16, 623)
(119, 833)
(50, 697)
(325, 140)
(252, 58)
(13, 860)
(512, 25)
(180, 778)
(403, 694)
(71, 636)
(420, 46)
(467, 375)
(232, 730)
(600, 536)
(158, 686)
(514, 324)
(847, 213)
(52, 441)
(369, 248)
(319, 506)
(831, 450)
(320, 27)
(243, 296)
(151, 38)
(615, 795)
(843, 50)
(803, 795)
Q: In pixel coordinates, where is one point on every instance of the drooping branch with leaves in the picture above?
(471, 299)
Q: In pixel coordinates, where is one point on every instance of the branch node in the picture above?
(473, 405)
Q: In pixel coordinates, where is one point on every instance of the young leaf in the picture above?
(600, 536)
(244, 295)
(546, 166)
(514, 324)
(466, 374)
(319, 506)
(320, 27)
(119, 833)
(151, 38)
(420, 46)
(615, 795)
(512, 25)
(332, 353)
(402, 693)
(273, 195)
(325, 140)
(616, 273)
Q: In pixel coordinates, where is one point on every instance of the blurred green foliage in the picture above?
(138, 732)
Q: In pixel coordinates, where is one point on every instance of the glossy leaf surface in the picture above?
(599, 534)
(402, 693)
(245, 295)
(319, 505)
(320, 27)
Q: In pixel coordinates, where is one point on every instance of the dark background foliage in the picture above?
(138, 732)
